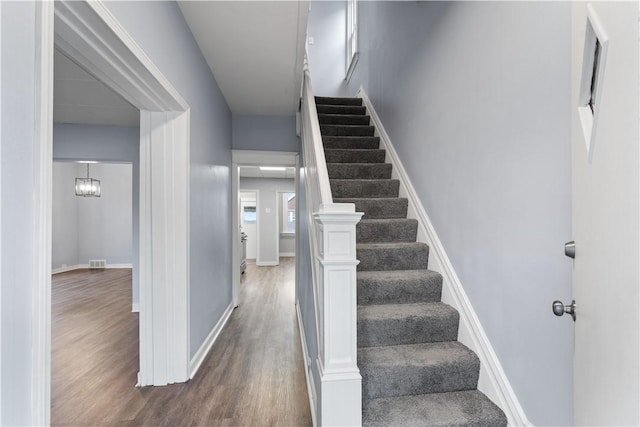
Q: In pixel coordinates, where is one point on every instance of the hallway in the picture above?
(253, 376)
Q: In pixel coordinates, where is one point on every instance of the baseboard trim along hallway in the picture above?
(205, 348)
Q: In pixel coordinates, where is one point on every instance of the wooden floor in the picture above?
(253, 376)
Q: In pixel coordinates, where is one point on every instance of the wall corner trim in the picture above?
(493, 381)
(311, 387)
(204, 349)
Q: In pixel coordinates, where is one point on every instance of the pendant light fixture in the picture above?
(87, 187)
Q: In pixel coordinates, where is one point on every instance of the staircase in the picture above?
(414, 371)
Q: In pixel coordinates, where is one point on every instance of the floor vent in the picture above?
(97, 263)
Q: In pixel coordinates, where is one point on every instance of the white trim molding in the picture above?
(68, 268)
(42, 236)
(287, 254)
(335, 279)
(119, 266)
(205, 348)
(267, 263)
(164, 247)
(493, 381)
(83, 266)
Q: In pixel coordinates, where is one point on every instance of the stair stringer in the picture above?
(493, 381)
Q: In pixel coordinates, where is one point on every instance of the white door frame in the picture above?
(88, 33)
(249, 158)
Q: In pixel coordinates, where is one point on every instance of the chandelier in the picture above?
(87, 187)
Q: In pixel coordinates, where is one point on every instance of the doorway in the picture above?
(88, 33)
(251, 160)
(93, 329)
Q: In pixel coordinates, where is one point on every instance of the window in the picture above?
(352, 37)
(594, 60)
(288, 213)
(249, 213)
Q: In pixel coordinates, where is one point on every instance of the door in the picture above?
(605, 166)
(249, 221)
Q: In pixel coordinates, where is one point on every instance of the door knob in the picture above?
(570, 249)
(559, 309)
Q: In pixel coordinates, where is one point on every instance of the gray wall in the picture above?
(64, 228)
(18, 157)
(304, 281)
(118, 144)
(160, 30)
(272, 133)
(476, 99)
(92, 227)
(327, 56)
(268, 222)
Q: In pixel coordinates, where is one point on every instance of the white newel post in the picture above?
(341, 392)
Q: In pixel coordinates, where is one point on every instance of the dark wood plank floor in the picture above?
(253, 376)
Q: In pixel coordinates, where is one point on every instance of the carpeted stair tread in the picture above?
(395, 324)
(359, 170)
(343, 119)
(377, 207)
(341, 109)
(350, 188)
(386, 230)
(398, 287)
(346, 130)
(342, 155)
(468, 408)
(329, 100)
(392, 256)
(417, 369)
(351, 142)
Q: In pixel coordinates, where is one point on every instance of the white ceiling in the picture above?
(255, 50)
(255, 172)
(78, 97)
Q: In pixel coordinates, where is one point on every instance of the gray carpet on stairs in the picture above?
(398, 287)
(454, 409)
(351, 142)
(386, 230)
(359, 170)
(414, 371)
(400, 370)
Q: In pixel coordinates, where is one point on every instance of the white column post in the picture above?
(341, 389)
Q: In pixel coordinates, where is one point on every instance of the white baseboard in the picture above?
(266, 263)
(85, 266)
(287, 254)
(135, 307)
(119, 266)
(493, 381)
(65, 269)
(204, 349)
(311, 387)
